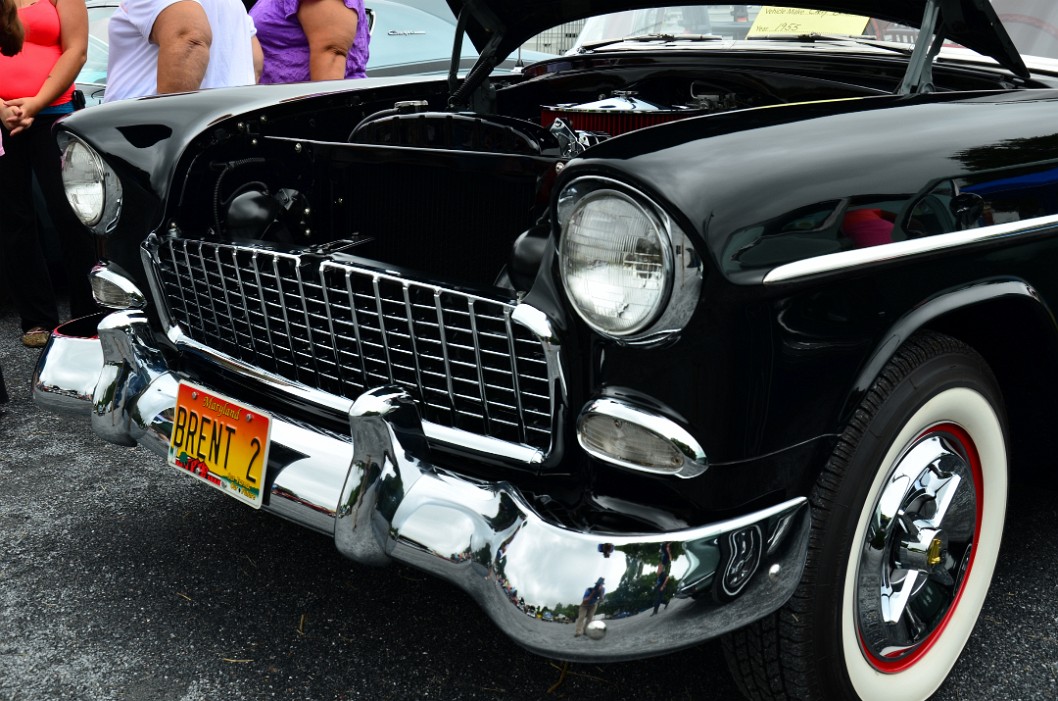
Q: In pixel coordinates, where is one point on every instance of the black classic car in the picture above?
(693, 336)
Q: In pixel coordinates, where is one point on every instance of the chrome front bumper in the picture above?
(372, 491)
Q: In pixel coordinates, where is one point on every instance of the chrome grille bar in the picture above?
(342, 329)
(514, 359)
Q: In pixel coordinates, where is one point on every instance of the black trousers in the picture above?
(22, 262)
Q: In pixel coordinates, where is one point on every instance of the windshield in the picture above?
(730, 21)
(1032, 24)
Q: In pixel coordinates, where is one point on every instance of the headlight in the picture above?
(92, 188)
(629, 270)
(616, 262)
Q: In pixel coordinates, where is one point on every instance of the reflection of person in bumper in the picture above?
(662, 578)
(593, 596)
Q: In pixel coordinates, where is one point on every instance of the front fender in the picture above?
(938, 311)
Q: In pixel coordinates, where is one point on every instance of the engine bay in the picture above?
(401, 179)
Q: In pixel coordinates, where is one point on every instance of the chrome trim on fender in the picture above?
(695, 461)
(835, 262)
(375, 493)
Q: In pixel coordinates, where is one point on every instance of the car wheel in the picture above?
(907, 520)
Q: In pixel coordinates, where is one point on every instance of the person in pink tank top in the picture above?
(36, 87)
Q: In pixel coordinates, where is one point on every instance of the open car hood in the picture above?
(500, 26)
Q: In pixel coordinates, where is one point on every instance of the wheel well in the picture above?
(1019, 341)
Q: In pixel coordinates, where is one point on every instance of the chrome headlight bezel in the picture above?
(83, 166)
(681, 265)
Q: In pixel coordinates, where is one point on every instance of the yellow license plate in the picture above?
(221, 442)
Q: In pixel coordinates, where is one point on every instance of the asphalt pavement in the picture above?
(121, 579)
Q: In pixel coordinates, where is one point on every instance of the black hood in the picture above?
(503, 25)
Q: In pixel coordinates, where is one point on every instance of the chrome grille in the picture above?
(344, 329)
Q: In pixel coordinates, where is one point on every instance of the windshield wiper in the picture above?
(649, 37)
(833, 38)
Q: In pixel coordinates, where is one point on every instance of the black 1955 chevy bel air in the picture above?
(756, 329)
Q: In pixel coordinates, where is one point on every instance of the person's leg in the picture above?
(21, 258)
(76, 241)
(582, 614)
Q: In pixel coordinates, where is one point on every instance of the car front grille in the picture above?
(344, 329)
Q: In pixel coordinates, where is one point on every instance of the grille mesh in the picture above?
(343, 329)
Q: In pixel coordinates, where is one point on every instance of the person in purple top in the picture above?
(311, 39)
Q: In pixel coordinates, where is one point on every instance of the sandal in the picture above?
(36, 337)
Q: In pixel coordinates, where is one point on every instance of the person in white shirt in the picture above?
(166, 46)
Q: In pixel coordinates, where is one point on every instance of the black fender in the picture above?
(1011, 326)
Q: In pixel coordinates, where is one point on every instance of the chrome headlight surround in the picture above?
(92, 187)
(628, 269)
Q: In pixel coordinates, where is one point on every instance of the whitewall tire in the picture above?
(907, 518)
(961, 421)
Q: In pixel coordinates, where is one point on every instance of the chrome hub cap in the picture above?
(918, 547)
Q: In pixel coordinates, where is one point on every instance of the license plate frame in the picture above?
(220, 441)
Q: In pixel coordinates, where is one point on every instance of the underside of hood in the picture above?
(498, 27)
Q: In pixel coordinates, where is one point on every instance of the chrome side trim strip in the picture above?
(834, 262)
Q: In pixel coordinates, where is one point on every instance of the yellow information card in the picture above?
(788, 20)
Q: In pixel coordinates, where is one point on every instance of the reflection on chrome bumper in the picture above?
(376, 495)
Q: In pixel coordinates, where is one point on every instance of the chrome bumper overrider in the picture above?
(374, 493)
